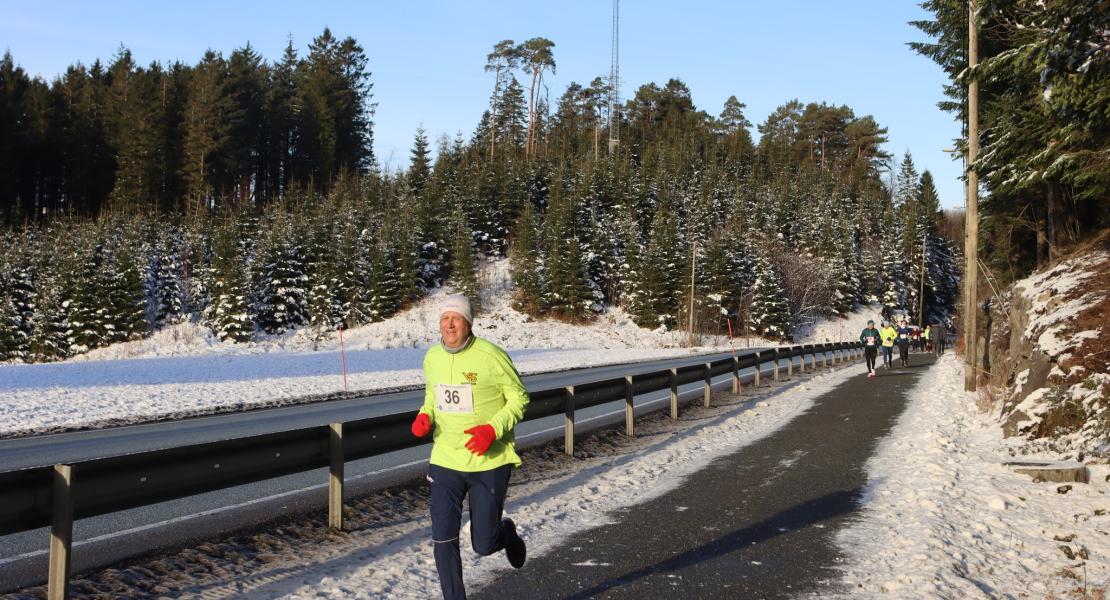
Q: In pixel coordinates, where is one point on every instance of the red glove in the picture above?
(422, 425)
(481, 437)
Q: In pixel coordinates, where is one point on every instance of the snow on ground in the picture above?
(1065, 308)
(944, 518)
(839, 329)
(550, 499)
(183, 371)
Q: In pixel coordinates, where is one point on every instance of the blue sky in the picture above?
(427, 56)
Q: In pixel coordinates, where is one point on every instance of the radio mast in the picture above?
(614, 83)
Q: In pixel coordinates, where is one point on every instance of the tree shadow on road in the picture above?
(799, 516)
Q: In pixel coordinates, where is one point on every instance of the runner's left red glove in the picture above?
(481, 437)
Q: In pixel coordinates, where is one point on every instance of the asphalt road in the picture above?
(106, 539)
(759, 523)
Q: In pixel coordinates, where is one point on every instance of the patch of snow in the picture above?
(839, 329)
(945, 518)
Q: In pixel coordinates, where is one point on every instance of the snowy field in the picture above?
(945, 519)
(184, 371)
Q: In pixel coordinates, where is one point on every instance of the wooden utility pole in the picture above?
(921, 290)
(693, 266)
(971, 223)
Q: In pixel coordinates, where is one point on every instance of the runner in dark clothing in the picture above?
(903, 342)
(939, 335)
(871, 340)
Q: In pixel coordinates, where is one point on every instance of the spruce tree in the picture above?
(569, 294)
(770, 308)
(12, 347)
(125, 308)
(228, 312)
(165, 288)
(464, 263)
(281, 285)
(528, 265)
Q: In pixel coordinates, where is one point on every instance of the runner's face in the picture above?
(454, 329)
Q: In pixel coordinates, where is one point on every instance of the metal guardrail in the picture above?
(55, 496)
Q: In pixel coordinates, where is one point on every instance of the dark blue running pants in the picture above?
(486, 490)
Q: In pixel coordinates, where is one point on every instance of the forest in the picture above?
(245, 195)
(1044, 113)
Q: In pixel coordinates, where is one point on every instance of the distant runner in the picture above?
(473, 398)
(904, 334)
(870, 339)
(888, 334)
(939, 337)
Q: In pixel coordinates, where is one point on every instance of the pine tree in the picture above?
(719, 278)
(23, 298)
(655, 291)
(892, 269)
(124, 311)
(281, 287)
(51, 339)
(165, 288)
(770, 308)
(85, 328)
(228, 312)
(12, 347)
(464, 264)
(528, 265)
(58, 286)
(325, 296)
(569, 293)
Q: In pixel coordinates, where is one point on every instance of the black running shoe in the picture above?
(515, 550)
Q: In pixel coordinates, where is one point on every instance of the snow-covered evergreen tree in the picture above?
(227, 313)
(654, 292)
(464, 263)
(281, 284)
(569, 293)
(11, 347)
(527, 264)
(165, 289)
(125, 313)
(770, 308)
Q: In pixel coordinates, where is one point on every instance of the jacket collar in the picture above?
(468, 344)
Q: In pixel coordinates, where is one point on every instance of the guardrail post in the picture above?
(335, 476)
(758, 366)
(629, 412)
(568, 423)
(737, 388)
(775, 376)
(813, 361)
(674, 394)
(825, 357)
(790, 364)
(708, 393)
(61, 534)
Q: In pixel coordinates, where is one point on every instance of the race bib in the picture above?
(870, 340)
(454, 398)
(904, 336)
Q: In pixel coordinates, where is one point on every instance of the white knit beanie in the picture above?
(459, 304)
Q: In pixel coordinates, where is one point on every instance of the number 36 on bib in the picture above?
(454, 398)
